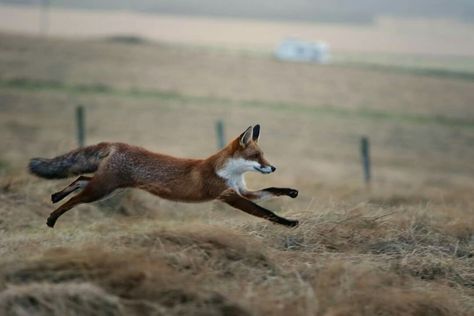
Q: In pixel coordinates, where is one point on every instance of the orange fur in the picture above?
(118, 165)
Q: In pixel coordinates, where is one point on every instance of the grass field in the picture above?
(403, 246)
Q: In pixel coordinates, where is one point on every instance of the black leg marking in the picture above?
(282, 191)
(235, 200)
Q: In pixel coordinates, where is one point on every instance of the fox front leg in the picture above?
(235, 200)
(269, 193)
(292, 193)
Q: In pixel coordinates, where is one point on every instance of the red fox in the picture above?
(118, 165)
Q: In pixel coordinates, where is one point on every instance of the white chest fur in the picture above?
(233, 172)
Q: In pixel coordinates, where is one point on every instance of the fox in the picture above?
(106, 167)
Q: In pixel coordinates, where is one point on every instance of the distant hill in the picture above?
(361, 11)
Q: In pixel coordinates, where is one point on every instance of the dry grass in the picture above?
(363, 261)
(405, 246)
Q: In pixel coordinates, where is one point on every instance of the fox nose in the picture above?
(273, 168)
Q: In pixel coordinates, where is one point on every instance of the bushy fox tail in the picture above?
(76, 162)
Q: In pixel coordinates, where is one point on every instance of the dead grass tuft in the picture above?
(356, 289)
(46, 299)
(329, 230)
(131, 276)
(125, 274)
(399, 200)
(202, 249)
(409, 241)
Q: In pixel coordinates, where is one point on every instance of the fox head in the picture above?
(246, 155)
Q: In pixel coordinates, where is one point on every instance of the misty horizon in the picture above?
(344, 11)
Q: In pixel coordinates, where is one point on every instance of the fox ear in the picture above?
(256, 132)
(245, 137)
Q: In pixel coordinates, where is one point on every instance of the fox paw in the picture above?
(292, 193)
(56, 197)
(293, 223)
(51, 221)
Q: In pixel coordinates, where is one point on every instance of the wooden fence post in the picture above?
(220, 134)
(80, 123)
(365, 155)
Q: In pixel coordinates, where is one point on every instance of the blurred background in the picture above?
(317, 75)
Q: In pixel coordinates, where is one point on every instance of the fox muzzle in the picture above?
(265, 169)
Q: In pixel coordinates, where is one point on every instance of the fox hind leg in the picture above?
(93, 191)
(79, 183)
